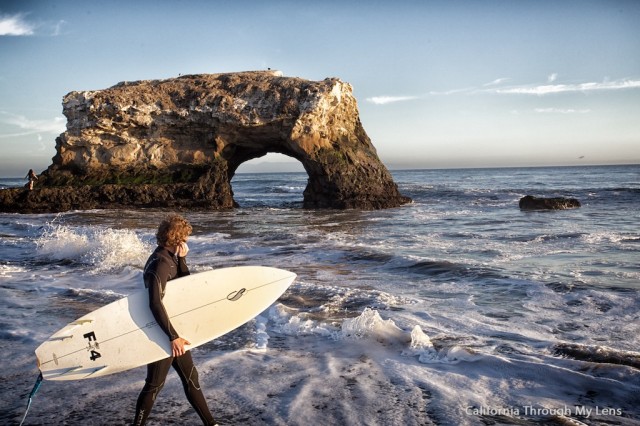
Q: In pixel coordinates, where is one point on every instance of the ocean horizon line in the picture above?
(409, 168)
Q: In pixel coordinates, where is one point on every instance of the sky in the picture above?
(439, 84)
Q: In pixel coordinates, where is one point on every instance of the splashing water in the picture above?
(102, 249)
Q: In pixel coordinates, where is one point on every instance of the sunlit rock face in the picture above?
(178, 143)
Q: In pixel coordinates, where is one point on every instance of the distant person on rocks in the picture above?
(166, 263)
(32, 178)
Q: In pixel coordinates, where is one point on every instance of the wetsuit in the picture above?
(161, 267)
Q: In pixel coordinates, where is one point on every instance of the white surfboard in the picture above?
(124, 334)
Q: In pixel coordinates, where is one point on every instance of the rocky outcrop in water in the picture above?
(530, 202)
(178, 143)
(597, 354)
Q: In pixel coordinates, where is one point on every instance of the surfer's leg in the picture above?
(189, 376)
(156, 375)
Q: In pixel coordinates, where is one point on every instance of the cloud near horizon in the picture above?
(548, 89)
(15, 25)
(561, 111)
(382, 100)
(539, 90)
(54, 126)
(496, 82)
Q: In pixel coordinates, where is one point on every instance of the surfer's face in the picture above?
(182, 249)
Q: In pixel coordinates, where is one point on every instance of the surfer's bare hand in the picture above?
(177, 346)
(182, 250)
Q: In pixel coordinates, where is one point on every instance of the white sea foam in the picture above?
(604, 237)
(262, 337)
(422, 347)
(104, 295)
(369, 325)
(10, 270)
(103, 249)
(287, 321)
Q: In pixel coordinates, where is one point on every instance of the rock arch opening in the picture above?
(274, 180)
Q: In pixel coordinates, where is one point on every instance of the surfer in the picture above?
(166, 263)
(32, 177)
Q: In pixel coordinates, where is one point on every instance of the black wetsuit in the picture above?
(161, 267)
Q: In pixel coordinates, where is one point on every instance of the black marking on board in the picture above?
(235, 295)
(93, 345)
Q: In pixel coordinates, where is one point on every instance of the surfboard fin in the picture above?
(96, 370)
(69, 336)
(71, 370)
(75, 324)
(75, 369)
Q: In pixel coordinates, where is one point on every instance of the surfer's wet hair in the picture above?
(173, 230)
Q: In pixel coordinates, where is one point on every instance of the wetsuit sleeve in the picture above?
(183, 270)
(155, 285)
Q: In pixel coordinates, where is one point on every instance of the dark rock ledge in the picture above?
(530, 202)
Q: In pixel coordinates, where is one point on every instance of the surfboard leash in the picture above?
(31, 395)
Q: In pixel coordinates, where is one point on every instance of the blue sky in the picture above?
(439, 83)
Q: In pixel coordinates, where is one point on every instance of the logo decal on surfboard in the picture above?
(235, 295)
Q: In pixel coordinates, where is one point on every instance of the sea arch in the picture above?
(178, 142)
(339, 176)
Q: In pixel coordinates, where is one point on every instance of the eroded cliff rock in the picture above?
(178, 143)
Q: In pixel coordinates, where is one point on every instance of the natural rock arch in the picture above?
(275, 180)
(179, 142)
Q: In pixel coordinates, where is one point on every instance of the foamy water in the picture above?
(458, 309)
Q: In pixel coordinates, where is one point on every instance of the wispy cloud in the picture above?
(18, 25)
(495, 87)
(382, 100)
(561, 111)
(56, 29)
(15, 25)
(548, 89)
(453, 91)
(496, 82)
(28, 127)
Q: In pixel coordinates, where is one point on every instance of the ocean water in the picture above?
(12, 182)
(457, 309)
